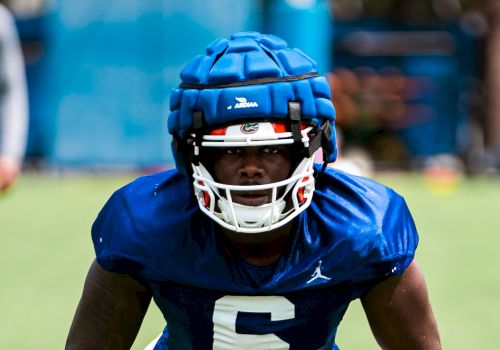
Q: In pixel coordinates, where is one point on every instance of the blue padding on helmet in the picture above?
(260, 66)
(197, 68)
(266, 101)
(281, 92)
(175, 99)
(217, 46)
(249, 76)
(209, 102)
(320, 89)
(228, 67)
(304, 94)
(296, 62)
(243, 44)
(324, 106)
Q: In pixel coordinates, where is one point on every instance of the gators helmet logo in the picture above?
(249, 128)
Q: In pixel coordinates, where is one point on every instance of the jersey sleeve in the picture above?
(144, 224)
(115, 239)
(365, 228)
(397, 241)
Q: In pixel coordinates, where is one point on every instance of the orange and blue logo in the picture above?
(249, 128)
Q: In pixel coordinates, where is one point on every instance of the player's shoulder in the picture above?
(366, 223)
(154, 181)
(163, 187)
(357, 193)
(149, 203)
(142, 227)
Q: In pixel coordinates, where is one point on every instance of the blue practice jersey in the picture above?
(354, 235)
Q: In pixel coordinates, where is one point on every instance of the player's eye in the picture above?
(232, 151)
(270, 150)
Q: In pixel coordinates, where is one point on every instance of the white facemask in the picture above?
(215, 199)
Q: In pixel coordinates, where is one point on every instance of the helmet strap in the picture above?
(198, 123)
(321, 139)
(294, 118)
(326, 133)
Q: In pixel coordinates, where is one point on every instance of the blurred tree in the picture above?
(412, 11)
(492, 76)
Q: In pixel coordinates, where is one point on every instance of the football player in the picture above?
(248, 244)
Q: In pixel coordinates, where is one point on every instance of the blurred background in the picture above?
(416, 85)
(412, 80)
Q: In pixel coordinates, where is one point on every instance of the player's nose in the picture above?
(251, 165)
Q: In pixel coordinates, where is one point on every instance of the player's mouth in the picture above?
(252, 199)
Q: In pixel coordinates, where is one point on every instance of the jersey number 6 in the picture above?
(224, 319)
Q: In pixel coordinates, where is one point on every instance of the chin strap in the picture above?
(250, 217)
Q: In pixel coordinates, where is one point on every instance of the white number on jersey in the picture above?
(225, 314)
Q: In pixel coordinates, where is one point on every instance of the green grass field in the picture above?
(45, 251)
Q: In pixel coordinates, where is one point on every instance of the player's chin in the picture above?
(251, 199)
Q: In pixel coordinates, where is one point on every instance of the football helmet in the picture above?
(251, 90)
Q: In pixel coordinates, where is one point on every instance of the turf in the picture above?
(46, 249)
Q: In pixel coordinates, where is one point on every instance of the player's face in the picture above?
(252, 166)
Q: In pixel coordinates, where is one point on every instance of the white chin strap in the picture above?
(251, 217)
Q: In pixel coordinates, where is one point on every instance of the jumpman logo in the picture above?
(317, 274)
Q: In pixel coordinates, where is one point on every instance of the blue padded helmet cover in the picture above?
(249, 76)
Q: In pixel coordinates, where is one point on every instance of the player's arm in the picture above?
(400, 314)
(110, 311)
